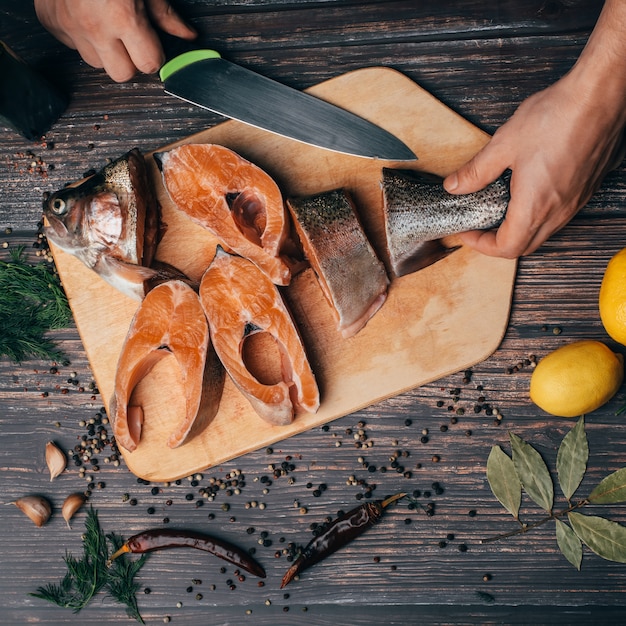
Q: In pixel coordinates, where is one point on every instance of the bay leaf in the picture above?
(571, 459)
(604, 537)
(503, 480)
(611, 489)
(569, 543)
(532, 472)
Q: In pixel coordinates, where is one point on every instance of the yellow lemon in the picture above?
(612, 298)
(576, 378)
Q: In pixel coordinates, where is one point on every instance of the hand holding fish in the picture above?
(117, 35)
(559, 144)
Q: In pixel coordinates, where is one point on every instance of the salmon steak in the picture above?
(235, 200)
(243, 306)
(351, 276)
(169, 323)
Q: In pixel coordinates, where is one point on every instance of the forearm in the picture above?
(600, 72)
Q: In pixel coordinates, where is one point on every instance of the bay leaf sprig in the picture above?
(526, 471)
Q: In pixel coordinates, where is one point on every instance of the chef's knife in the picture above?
(204, 78)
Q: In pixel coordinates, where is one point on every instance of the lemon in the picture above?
(576, 378)
(612, 298)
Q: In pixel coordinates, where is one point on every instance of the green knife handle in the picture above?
(185, 59)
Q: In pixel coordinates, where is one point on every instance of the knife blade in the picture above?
(205, 79)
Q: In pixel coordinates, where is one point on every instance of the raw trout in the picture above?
(350, 274)
(111, 222)
(419, 212)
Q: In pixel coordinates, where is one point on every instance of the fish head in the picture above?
(112, 212)
(84, 220)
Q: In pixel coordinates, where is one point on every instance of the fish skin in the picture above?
(111, 222)
(352, 277)
(419, 212)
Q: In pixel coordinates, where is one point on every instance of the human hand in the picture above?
(117, 35)
(559, 144)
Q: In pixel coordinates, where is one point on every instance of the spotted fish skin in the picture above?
(352, 278)
(419, 212)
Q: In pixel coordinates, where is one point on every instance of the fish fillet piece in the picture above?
(352, 278)
(234, 199)
(240, 301)
(169, 322)
(419, 212)
(112, 223)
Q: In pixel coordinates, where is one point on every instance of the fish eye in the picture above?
(58, 206)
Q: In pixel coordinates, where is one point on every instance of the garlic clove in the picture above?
(36, 507)
(55, 459)
(72, 503)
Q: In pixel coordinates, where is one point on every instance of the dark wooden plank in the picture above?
(473, 78)
(94, 130)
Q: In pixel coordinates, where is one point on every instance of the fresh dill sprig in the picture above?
(90, 574)
(32, 302)
(121, 584)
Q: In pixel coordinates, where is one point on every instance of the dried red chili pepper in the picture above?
(339, 533)
(163, 538)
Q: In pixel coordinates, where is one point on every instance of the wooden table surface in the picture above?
(481, 59)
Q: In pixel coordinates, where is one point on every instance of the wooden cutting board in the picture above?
(435, 322)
